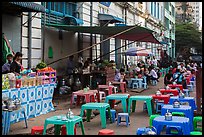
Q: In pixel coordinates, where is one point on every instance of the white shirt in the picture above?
(153, 73)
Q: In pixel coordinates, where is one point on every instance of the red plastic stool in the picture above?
(106, 132)
(37, 130)
(64, 131)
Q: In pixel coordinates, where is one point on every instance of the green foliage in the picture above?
(187, 35)
(41, 65)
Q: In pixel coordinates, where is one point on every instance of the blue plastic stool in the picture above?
(169, 130)
(154, 82)
(159, 105)
(144, 84)
(190, 87)
(140, 130)
(144, 106)
(135, 85)
(186, 91)
(113, 114)
(127, 118)
(192, 83)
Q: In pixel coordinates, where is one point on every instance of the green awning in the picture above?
(22, 7)
(109, 18)
(139, 34)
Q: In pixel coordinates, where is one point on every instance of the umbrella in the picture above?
(138, 51)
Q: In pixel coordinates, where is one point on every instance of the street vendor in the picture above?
(16, 66)
(6, 66)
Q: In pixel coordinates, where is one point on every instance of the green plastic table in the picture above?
(133, 99)
(102, 109)
(69, 123)
(122, 97)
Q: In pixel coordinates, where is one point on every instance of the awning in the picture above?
(110, 18)
(23, 7)
(139, 34)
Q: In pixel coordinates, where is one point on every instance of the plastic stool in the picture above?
(135, 85)
(127, 118)
(101, 94)
(186, 91)
(154, 82)
(113, 114)
(144, 106)
(195, 120)
(64, 131)
(159, 106)
(140, 130)
(170, 132)
(151, 119)
(195, 133)
(106, 132)
(190, 87)
(192, 83)
(37, 130)
(181, 114)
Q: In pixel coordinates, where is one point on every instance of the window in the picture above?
(152, 8)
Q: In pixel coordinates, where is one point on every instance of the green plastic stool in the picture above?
(151, 119)
(195, 120)
(195, 133)
(181, 114)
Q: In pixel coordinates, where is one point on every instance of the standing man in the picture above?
(70, 66)
(6, 66)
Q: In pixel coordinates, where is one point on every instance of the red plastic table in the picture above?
(176, 86)
(110, 88)
(161, 97)
(80, 93)
(122, 85)
(173, 91)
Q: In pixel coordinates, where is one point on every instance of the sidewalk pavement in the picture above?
(138, 119)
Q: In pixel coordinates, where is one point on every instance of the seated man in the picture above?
(6, 66)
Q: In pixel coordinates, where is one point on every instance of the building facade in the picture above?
(21, 25)
(156, 16)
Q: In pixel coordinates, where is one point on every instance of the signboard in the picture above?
(107, 4)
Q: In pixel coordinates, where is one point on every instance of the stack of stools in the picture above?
(197, 119)
(127, 118)
(106, 132)
(197, 131)
(113, 115)
(37, 130)
(64, 131)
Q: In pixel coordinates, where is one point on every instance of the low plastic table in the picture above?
(176, 86)
(183, 122)
(133, 99)
(183, 108)
(80, 93)
(122, 85)
(94, 106)
(190, 100)
(69, 123)
(122, 97)
(7, 117)
(175, 92)
(161, 97)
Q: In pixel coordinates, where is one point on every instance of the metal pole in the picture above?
(29, 38)
(91, 22)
